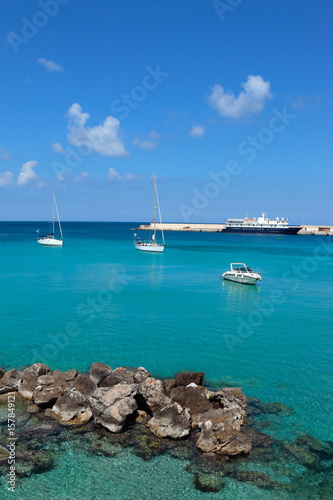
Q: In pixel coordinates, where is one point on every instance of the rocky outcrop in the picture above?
(10, 381)
(117, 376)
(195, 399)
(190, 378)
(29, 379)
(72, 408)
(112, 405)
(99, 371)
(153, 393)
(171, 421)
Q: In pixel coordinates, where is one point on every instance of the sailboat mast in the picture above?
(154, 209)
(53, 212)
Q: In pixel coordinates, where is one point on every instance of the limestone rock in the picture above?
(140, 375)
(195, 399)
(188, 378)
(99, 371)
(85, 385)
(111, 405)
(153, 393)
(169, 385)
(2, 372)
(10, 381)
(50, 387)
(118, 376)
(72, 408)
(170, 421)
(29, 379)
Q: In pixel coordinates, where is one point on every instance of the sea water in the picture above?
(99, 299)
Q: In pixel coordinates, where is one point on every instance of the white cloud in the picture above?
(27, 173)
(103, 138)
(5, 178)
(197, 131)
(251, 100)
(4, 155)
(149, 144)
(50, 66)
(57, 147)
(113, 176)
(81, 177)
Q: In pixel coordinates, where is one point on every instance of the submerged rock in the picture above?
(111, 406)
(302, 455)
(10, 381)
(256, 478)
(321, 448)
(72, 408)
(209, 483)
(170, 421)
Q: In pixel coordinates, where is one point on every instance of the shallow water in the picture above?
(97, 299)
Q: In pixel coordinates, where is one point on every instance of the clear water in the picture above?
(97, 299)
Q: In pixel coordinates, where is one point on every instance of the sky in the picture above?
(229, 102)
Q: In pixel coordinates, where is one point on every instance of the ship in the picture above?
(261, 224)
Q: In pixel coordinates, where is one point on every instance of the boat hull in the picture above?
(149, 248)
(50, 242)
(245, 280)
(262, 230)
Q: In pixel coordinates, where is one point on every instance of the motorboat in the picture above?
(241, 273)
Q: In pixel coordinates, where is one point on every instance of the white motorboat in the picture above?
(241, 273)
(49, 240)
(151, 244)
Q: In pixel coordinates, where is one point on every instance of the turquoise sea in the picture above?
(97, 299)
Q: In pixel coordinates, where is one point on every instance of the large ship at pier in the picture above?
(260, 225)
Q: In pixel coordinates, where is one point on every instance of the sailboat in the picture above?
(48, 239)
(151, 245)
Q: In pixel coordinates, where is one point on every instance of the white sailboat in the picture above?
(48, 239)
(151, 245)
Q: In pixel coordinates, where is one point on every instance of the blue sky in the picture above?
(228, 102)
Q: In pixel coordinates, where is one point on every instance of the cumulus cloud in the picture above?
(251, 100)
(5, 178)
(4, 155)
(103, 138)
(113, 176)
(149, 144)
(197, 131)
(50, 66)
(81, 177)
(27, 173)
(57, 148)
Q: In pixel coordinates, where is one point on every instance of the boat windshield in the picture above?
(243, 269)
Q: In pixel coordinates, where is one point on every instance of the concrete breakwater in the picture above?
(107, 411)
(306, 229)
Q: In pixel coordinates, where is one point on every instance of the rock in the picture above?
(169, 384)
(117, 376)
(320, 448)
(140, 375)
(85, 385)
(221, 433)
(188, 378)
(148, 446)
(100, 445)
(72, 408)
(2, 372)
(273, 408)
(69, 375)
(193, 398)
(209, 483)
(303, 456)
(231, 398)
(153, 393)
(33, 408)
(30, 377)
(46, 394)
(99, 371)
(142, 417)
(112, 405)
(10, 381)
(40, 431)
(257, 478)
(170, 421)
